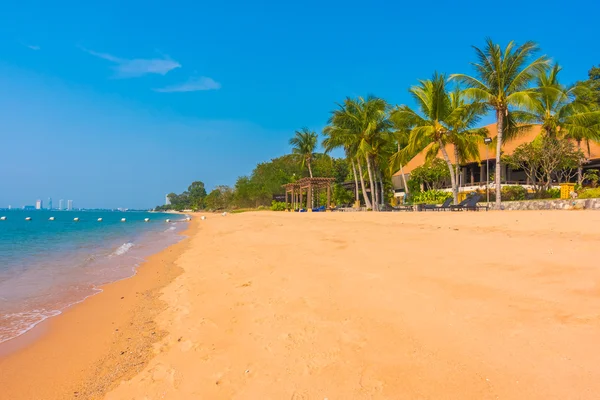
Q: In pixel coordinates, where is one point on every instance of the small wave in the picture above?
(15, 324)
(124, 248)
(172, 228)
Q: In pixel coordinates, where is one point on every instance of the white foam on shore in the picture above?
(124, 248)
(16, 324)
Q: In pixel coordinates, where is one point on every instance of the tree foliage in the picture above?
(432, 175)
(545, 160)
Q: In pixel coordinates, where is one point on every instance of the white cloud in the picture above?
(32, 47)
(192, 85)
(127, 68)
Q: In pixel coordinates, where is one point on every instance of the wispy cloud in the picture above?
(132, 68)
(192, 85)
(31, 46)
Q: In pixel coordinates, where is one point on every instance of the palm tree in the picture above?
(443, 118)
(562, 112)
(304, 144)
(362, 126)
(336, 137)
(502, 82)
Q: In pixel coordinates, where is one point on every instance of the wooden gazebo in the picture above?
(306, 186)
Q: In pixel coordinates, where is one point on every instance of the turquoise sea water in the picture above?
(45, 265)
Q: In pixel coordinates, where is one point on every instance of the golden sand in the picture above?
(497, 305)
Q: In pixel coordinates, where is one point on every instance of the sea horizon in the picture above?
(54, 261)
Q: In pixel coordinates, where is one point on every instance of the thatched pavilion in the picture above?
(301, 192)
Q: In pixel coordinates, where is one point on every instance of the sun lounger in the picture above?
(468, 204)
(433, 207)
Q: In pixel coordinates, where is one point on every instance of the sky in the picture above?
(117, 103)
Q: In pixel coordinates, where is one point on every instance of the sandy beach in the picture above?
(497, 305)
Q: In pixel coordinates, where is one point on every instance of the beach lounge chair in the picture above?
(468, 204)
(442, 207)
(403, 208)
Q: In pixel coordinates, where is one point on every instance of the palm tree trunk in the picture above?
(309, 168)
(355, 179)
(382, 193)
(362, 185)
(500, 127)
(372, 183)
(404, 179)
(456, 166)
(579, 166)
(376, 200)
(452, 177)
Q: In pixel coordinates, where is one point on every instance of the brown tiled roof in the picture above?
(507, 148)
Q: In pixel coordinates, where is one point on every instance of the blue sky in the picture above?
(114, 104)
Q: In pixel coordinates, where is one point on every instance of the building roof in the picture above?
(508, 148)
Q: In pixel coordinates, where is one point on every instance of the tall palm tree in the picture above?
(336, 137)
(442, 119)
(563, 112)
(364, 127)
(304, 144)
(503, 82)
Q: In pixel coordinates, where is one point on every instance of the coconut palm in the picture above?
(562, 112)
(442, 119)
(362, 125)
(503, 82)
(336, 137)
(304, 144)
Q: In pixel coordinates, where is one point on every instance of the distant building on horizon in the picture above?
(69, 205)
(9, 207)
(28, 207)
(49, 203)
(167, 200)
(61, 204)
(39, 204)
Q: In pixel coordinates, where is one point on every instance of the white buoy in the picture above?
(167, 220)
(224, 214)
(51, 219)
(123, 220)
(99, 219)
(188, 219)
(2, 218)
(146, 219)
(28, 219)
(203, 218)
(76, 219)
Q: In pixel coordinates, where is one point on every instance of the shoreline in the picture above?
(84, 351)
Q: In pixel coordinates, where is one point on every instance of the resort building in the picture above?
(473, 172)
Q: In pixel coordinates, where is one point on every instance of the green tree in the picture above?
(565, 112)
(361, 126)
(431, 175)
(304, 144)
(592, 95)
(502, 81)
(220, 198)
(196, 193)
(442, 119)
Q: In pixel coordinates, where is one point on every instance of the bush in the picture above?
(430, 197)
(278, 206)
(514, 193)
(589, 193)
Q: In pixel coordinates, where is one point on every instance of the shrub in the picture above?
(514, 193)
(278, 206)
(589, 193)
(430, 197)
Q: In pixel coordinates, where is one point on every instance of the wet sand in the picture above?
(497, 305)
(95, 344)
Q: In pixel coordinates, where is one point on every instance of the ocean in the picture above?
(47, 265)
